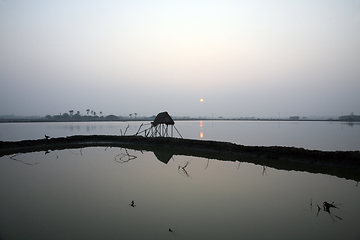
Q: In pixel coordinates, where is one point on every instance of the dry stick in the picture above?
(155, 131)
(126, 129)
(318, 210)
(166, 133)
(138, 129)
(123, 155)
(207, 164)
(264, 170)
(183, 169)
(139, 132)
(146, 133)
(30, 164)
(131, 157)
(73, 152)
(177, 131)
(117, 156)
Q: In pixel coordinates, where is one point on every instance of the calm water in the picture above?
(310, 135)
(87, 193)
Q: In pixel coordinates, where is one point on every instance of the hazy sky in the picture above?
(244, 58)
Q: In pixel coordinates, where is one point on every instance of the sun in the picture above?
(201, 100)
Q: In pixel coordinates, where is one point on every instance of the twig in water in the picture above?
(124, 155)
(73, 152)
(318, 210)
(30, 164)
(327, 206)
(264, 170)
(182, 170)
(207, 165)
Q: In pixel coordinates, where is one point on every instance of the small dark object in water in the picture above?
(327, 206)
(132, 203)
(47, 137)
(170, 230)
(318, 210)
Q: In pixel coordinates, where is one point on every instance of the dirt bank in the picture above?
(339, 163)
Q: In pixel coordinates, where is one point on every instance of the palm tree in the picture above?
(87, 111)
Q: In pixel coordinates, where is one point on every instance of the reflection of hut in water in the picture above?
(163, 156)
(162, 126)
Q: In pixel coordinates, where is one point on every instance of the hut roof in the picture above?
(163, 117)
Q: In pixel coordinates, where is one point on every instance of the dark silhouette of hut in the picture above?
(163, 118)
(160, 127)
(163, 156)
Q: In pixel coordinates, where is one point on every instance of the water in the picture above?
(310, 135)
(86, 193)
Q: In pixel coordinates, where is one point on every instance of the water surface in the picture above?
(306, 134)
(87, 193)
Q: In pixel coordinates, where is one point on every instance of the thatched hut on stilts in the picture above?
(160, 127)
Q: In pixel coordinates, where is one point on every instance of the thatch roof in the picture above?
(163, 118)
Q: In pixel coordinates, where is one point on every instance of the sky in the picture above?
(244, 58)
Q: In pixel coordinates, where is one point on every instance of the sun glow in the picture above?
(201, 100)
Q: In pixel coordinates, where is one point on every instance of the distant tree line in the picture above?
(91, 115)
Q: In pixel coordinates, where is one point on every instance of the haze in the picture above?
(244, 58)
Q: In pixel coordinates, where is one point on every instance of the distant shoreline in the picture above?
(36, 120)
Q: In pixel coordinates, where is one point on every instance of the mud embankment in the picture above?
(345, 164)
